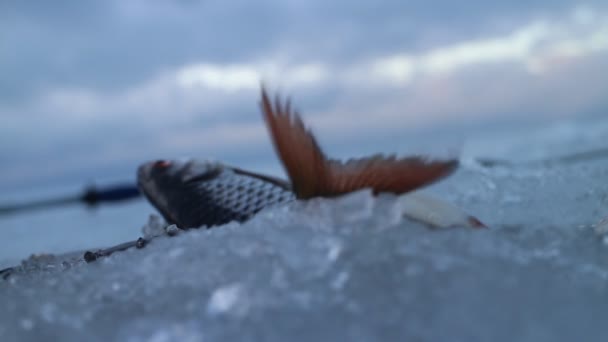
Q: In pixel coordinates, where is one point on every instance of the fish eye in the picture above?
(161, 164)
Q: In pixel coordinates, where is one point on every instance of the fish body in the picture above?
(194, 193)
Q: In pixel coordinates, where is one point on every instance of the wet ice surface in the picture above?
(349, 269)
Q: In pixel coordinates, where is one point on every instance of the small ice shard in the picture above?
(229, 299)
(48, 311)
(279, 279)
(334, 250)
(41, 258)
(355, 206)
(435, 212)
(175, 253)
(601, 228)
(172, 230)
(154, 227)
(340, 280)
(511, 199)
(27, 324)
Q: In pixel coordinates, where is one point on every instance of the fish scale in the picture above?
(241, 196)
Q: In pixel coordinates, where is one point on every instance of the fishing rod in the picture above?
(92, 196)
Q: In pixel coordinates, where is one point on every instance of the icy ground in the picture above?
(351, 270)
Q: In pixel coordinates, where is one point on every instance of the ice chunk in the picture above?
(172, 230)
(228, 299)
(154, 227)
(435, 212)
(601, 228)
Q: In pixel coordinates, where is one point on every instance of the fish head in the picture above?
(165, 181)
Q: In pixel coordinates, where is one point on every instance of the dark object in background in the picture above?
(92, 196)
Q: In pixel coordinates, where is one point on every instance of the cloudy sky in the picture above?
(89, 89)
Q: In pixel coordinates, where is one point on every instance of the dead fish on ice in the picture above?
(205, 193)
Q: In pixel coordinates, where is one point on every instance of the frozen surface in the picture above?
(351, 270)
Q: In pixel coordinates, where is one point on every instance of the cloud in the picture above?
(201, 89)
(114, 44)
(147, 85)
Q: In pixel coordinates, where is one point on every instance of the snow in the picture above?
(351, 269)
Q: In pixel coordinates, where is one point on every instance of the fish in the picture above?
(205, 193)
(195, 193)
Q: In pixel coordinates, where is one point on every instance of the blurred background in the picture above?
(91, 89)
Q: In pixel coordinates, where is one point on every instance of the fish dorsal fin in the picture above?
(296, 147)
(312, 174)
(274, 180)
